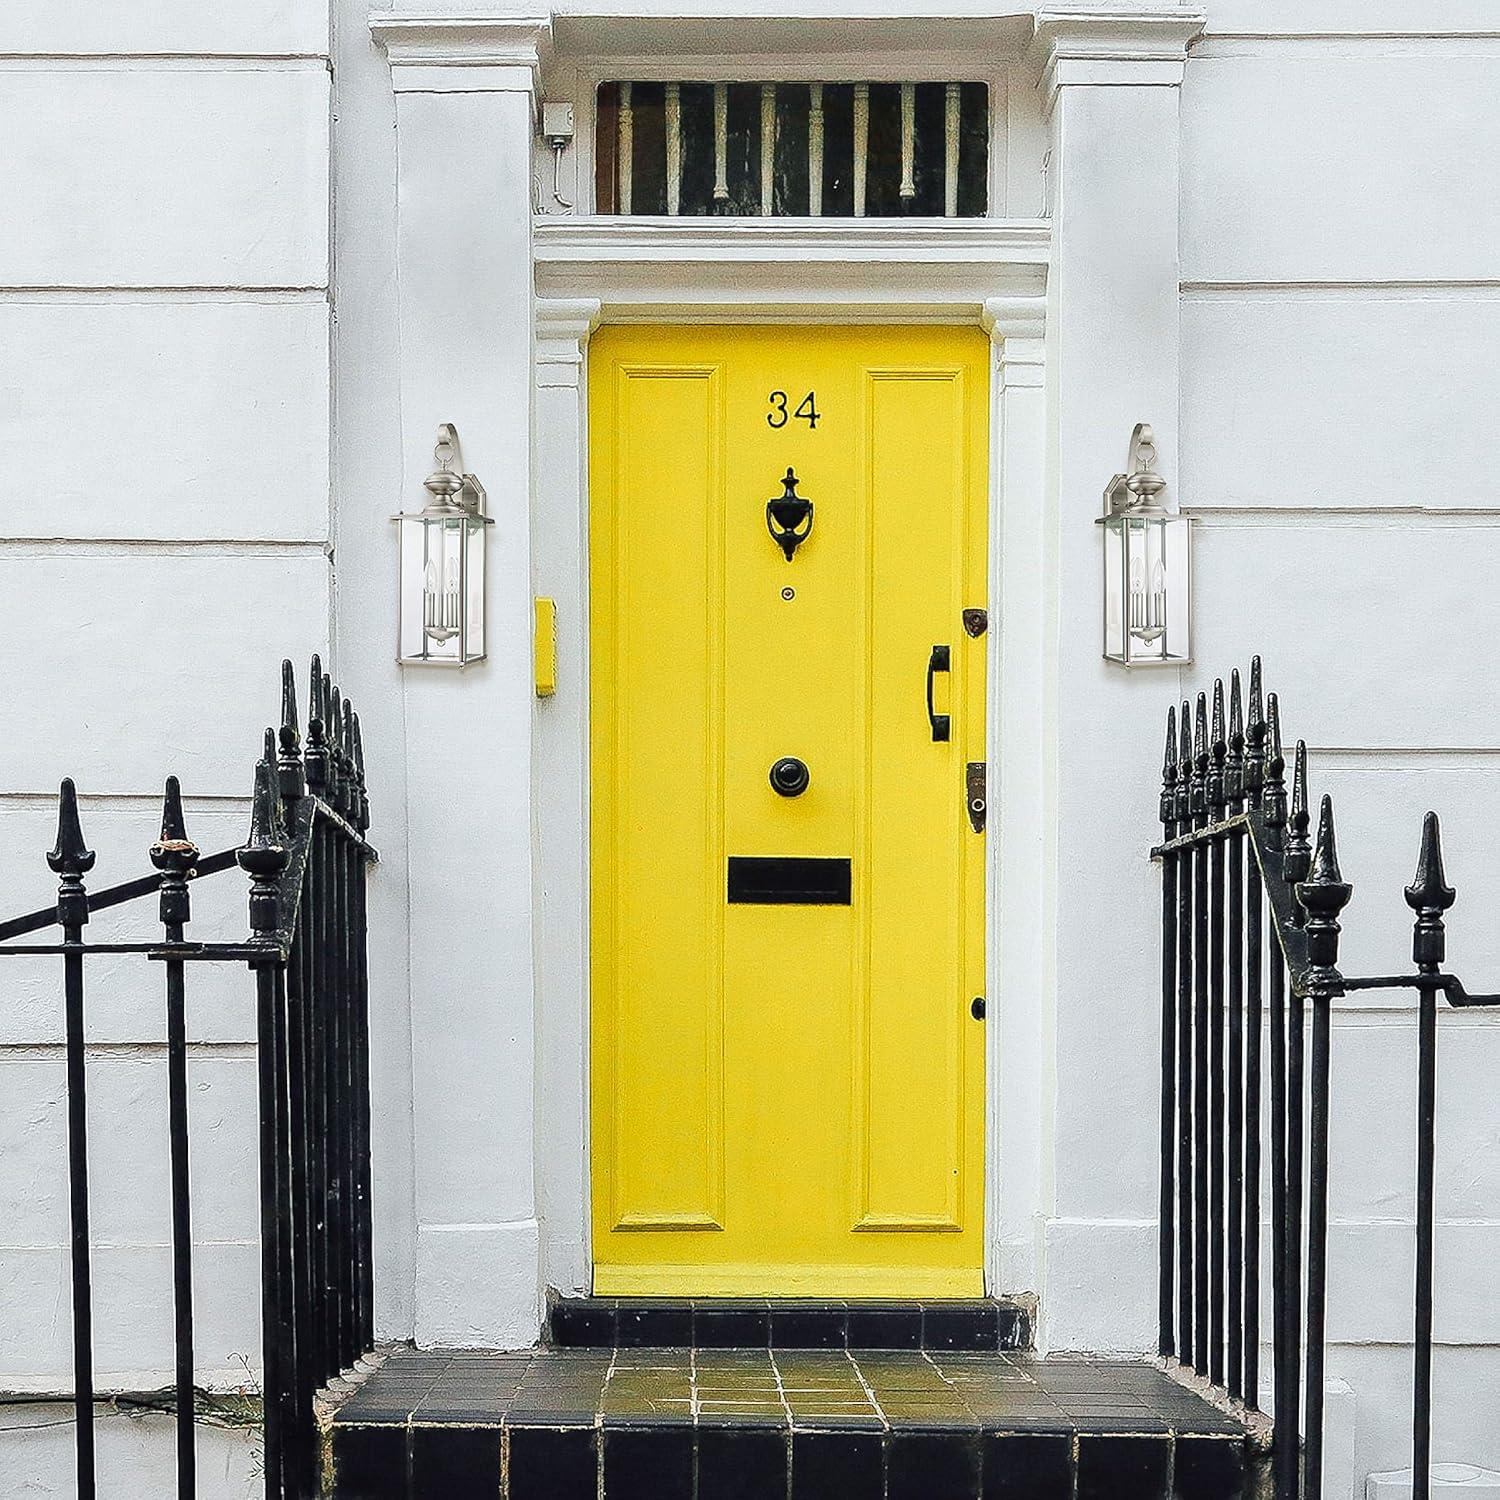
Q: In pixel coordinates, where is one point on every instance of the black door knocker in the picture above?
(789, 517)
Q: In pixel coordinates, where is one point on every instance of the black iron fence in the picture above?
(306, 856)
(1250, 939)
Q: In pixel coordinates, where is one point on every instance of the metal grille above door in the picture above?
(793, 150)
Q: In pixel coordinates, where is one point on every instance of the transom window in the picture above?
(793, 150)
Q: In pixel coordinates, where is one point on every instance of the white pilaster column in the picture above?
(1018, 1025)
(1111, 78)
(465, 96)
(560, 522)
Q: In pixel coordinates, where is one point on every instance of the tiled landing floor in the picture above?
(767, 1424)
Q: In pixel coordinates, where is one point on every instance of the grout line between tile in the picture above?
(869, 1391)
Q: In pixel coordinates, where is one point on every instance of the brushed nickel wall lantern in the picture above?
(1148, 573)
(442, 564)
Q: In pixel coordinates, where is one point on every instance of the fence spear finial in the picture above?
(1298, 849)
(1323, 895)
(337, 779)
(71, 859)
(1185, 767)
(264, 854)
(1429, 896)
(174, 854)
(70, 855)
(359, 776)
(1234, 761)
(1255, 738)
(1218, 749)
(317, 738)
(289, 761)
(1168, 812)
(1200, 760)
(1273, 790)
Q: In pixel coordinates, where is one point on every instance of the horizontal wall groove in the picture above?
(149, 1052)
(203, 802)
(1478, 42)
(1356, 517)
(180, 293)
(165, 62)
(1203, 289)
(33, 546)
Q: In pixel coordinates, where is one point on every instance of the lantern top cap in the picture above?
(453, 494)
(1139, 490)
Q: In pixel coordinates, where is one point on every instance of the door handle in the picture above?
(939, 661)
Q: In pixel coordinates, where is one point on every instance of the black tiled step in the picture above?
(788, 1323)
(766, 1424)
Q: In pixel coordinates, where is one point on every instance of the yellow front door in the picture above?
(787, 1071)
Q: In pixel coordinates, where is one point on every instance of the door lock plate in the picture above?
(976, 621)
(974, 794)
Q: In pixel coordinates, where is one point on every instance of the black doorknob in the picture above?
(789, 776)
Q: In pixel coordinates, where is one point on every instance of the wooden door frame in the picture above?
(990, 273)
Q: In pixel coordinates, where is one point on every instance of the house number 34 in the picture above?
(805, 411)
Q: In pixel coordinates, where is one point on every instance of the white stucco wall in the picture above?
(167, 531)
(1340, 431)
(202, 436)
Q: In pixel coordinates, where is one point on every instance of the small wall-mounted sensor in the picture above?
(557, 125)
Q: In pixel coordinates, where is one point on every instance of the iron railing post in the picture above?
(1429, 896)
(174, 854)
(71, 860)
(263, 858)
(1322, 896)
(1167, 1184)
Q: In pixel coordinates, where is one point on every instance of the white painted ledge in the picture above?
(812, 270)
(751, 240)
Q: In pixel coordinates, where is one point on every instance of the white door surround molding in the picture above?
(496, 314)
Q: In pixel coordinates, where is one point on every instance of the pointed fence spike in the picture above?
(1234, 760)
(1298, 855)
(359, 750)
(70, 856)
(315, 699)
(1299, 783)
(288, 703)
(1273, 772)
(1257, 711)
(1322, 896)
(264, 854)
(1429, 896)
(1184, 798)
(173, 824)
(1167, 810)
(1220, 738)
(1200, 726)
(174, 854)
(1429, 888)
(1325, 868)
(1236, 715)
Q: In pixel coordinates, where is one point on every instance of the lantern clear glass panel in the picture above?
(1147, 589)
(438, 605)
(793, 150)
(474, 534)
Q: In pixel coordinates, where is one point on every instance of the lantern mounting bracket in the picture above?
(1140, 488)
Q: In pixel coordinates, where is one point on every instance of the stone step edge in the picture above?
(979, 1325)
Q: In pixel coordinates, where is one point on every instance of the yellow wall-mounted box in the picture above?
(544, 647)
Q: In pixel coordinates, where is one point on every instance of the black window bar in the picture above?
(307, 858)
(1250, 943)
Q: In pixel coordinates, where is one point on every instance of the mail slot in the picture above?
(756, 880)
